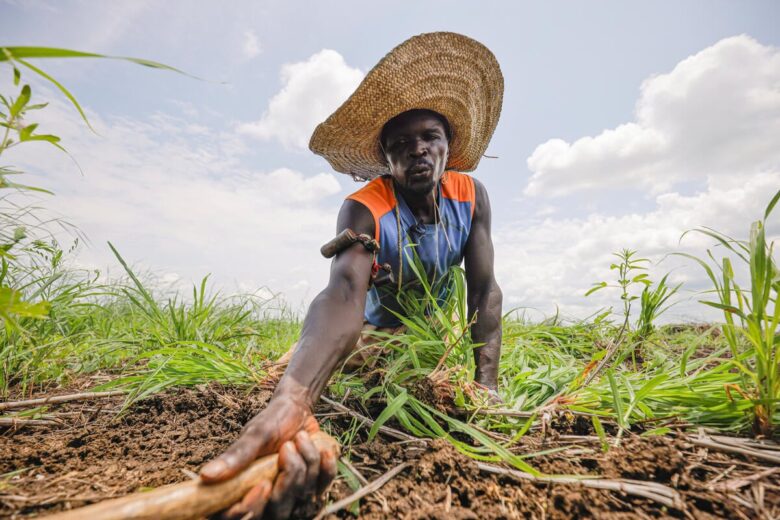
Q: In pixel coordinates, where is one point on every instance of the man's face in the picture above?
(416, 149)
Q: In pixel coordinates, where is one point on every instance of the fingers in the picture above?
(303, 471)
(289, 483)
(311, 457)
(263, 435)
(327, 470)
(238, 456)
(252, 505)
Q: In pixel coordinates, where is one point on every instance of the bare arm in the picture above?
(335, 317)
(484, 295)
(330, 331)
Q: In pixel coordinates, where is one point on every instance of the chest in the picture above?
(438, 246)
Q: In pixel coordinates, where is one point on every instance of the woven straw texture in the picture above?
(449, 73)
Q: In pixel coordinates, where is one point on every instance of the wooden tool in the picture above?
(186, 500)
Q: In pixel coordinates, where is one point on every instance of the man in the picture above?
(424, 113)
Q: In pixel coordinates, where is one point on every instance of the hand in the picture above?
(304, 471)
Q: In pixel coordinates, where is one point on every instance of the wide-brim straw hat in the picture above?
(448, 73)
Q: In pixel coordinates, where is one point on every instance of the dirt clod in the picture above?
(159, 440)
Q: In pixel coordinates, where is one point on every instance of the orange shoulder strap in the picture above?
(459, 186)
(378, 197)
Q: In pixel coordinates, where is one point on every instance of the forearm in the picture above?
(487, 305)
(330, 331)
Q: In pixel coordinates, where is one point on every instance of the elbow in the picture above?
(497, 296)
(489, 297)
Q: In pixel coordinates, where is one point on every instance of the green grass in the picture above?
(149, 340)
(123, 327)
(751, 314)
(60, 323)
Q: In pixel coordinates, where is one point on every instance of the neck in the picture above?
(422, 205)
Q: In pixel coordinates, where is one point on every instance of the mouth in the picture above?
(419, 170)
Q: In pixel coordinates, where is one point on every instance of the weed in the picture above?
(751, 317)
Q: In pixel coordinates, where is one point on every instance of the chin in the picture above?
(422, 187)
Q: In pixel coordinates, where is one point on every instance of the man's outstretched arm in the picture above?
(484, 295)
(330, 331)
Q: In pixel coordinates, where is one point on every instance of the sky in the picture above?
(624, 124)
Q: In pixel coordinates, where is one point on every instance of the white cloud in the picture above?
(112, 23)
(293, 186)
(546, 262)
(181, 198)
(311, 91)
(251, 46)
(716, 113)
(712, 122)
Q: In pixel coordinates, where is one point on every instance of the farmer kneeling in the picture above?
(424, 113)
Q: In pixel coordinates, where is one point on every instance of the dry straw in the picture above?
(446, 72)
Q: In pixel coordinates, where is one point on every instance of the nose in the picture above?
(418, 148)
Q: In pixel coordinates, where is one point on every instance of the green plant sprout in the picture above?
(653, 299)
(751, 316)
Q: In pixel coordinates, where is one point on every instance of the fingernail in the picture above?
(214, 469)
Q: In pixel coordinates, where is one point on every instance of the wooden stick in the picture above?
(22, 421)
(391, 432)
(652, 490)
(747, 442)
(58, 399)
(360, 493)
(354, 470)
(733, 448)
(192, 499)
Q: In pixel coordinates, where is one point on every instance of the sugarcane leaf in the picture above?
(390, 410)
(771, 205)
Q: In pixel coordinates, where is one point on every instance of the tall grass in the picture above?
(130, 327)
(26, 293)
(208, 338)
(751, 315)
(435, 353)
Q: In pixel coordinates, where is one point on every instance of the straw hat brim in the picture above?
(446, 72)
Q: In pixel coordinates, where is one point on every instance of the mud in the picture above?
(165, 438)
(103, 455)
(442, 484)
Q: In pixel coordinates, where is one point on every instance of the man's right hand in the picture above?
(304, 471)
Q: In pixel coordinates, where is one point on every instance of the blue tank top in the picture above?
(438, 247)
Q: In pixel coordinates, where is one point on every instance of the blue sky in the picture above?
(624, 123)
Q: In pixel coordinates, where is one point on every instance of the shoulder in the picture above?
(458, 186)
(362, 209)
(465, 188)
(356, 217)
(377, 196)
(481, 202)
(481, 195)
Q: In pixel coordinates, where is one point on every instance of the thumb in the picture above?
(238, 456)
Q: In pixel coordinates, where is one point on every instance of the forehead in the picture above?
(413, 121)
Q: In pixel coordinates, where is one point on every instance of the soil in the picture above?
(97, 455)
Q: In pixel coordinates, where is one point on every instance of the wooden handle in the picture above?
(342, 241)
(192, 499)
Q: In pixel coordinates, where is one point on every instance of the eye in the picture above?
(401, 141)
